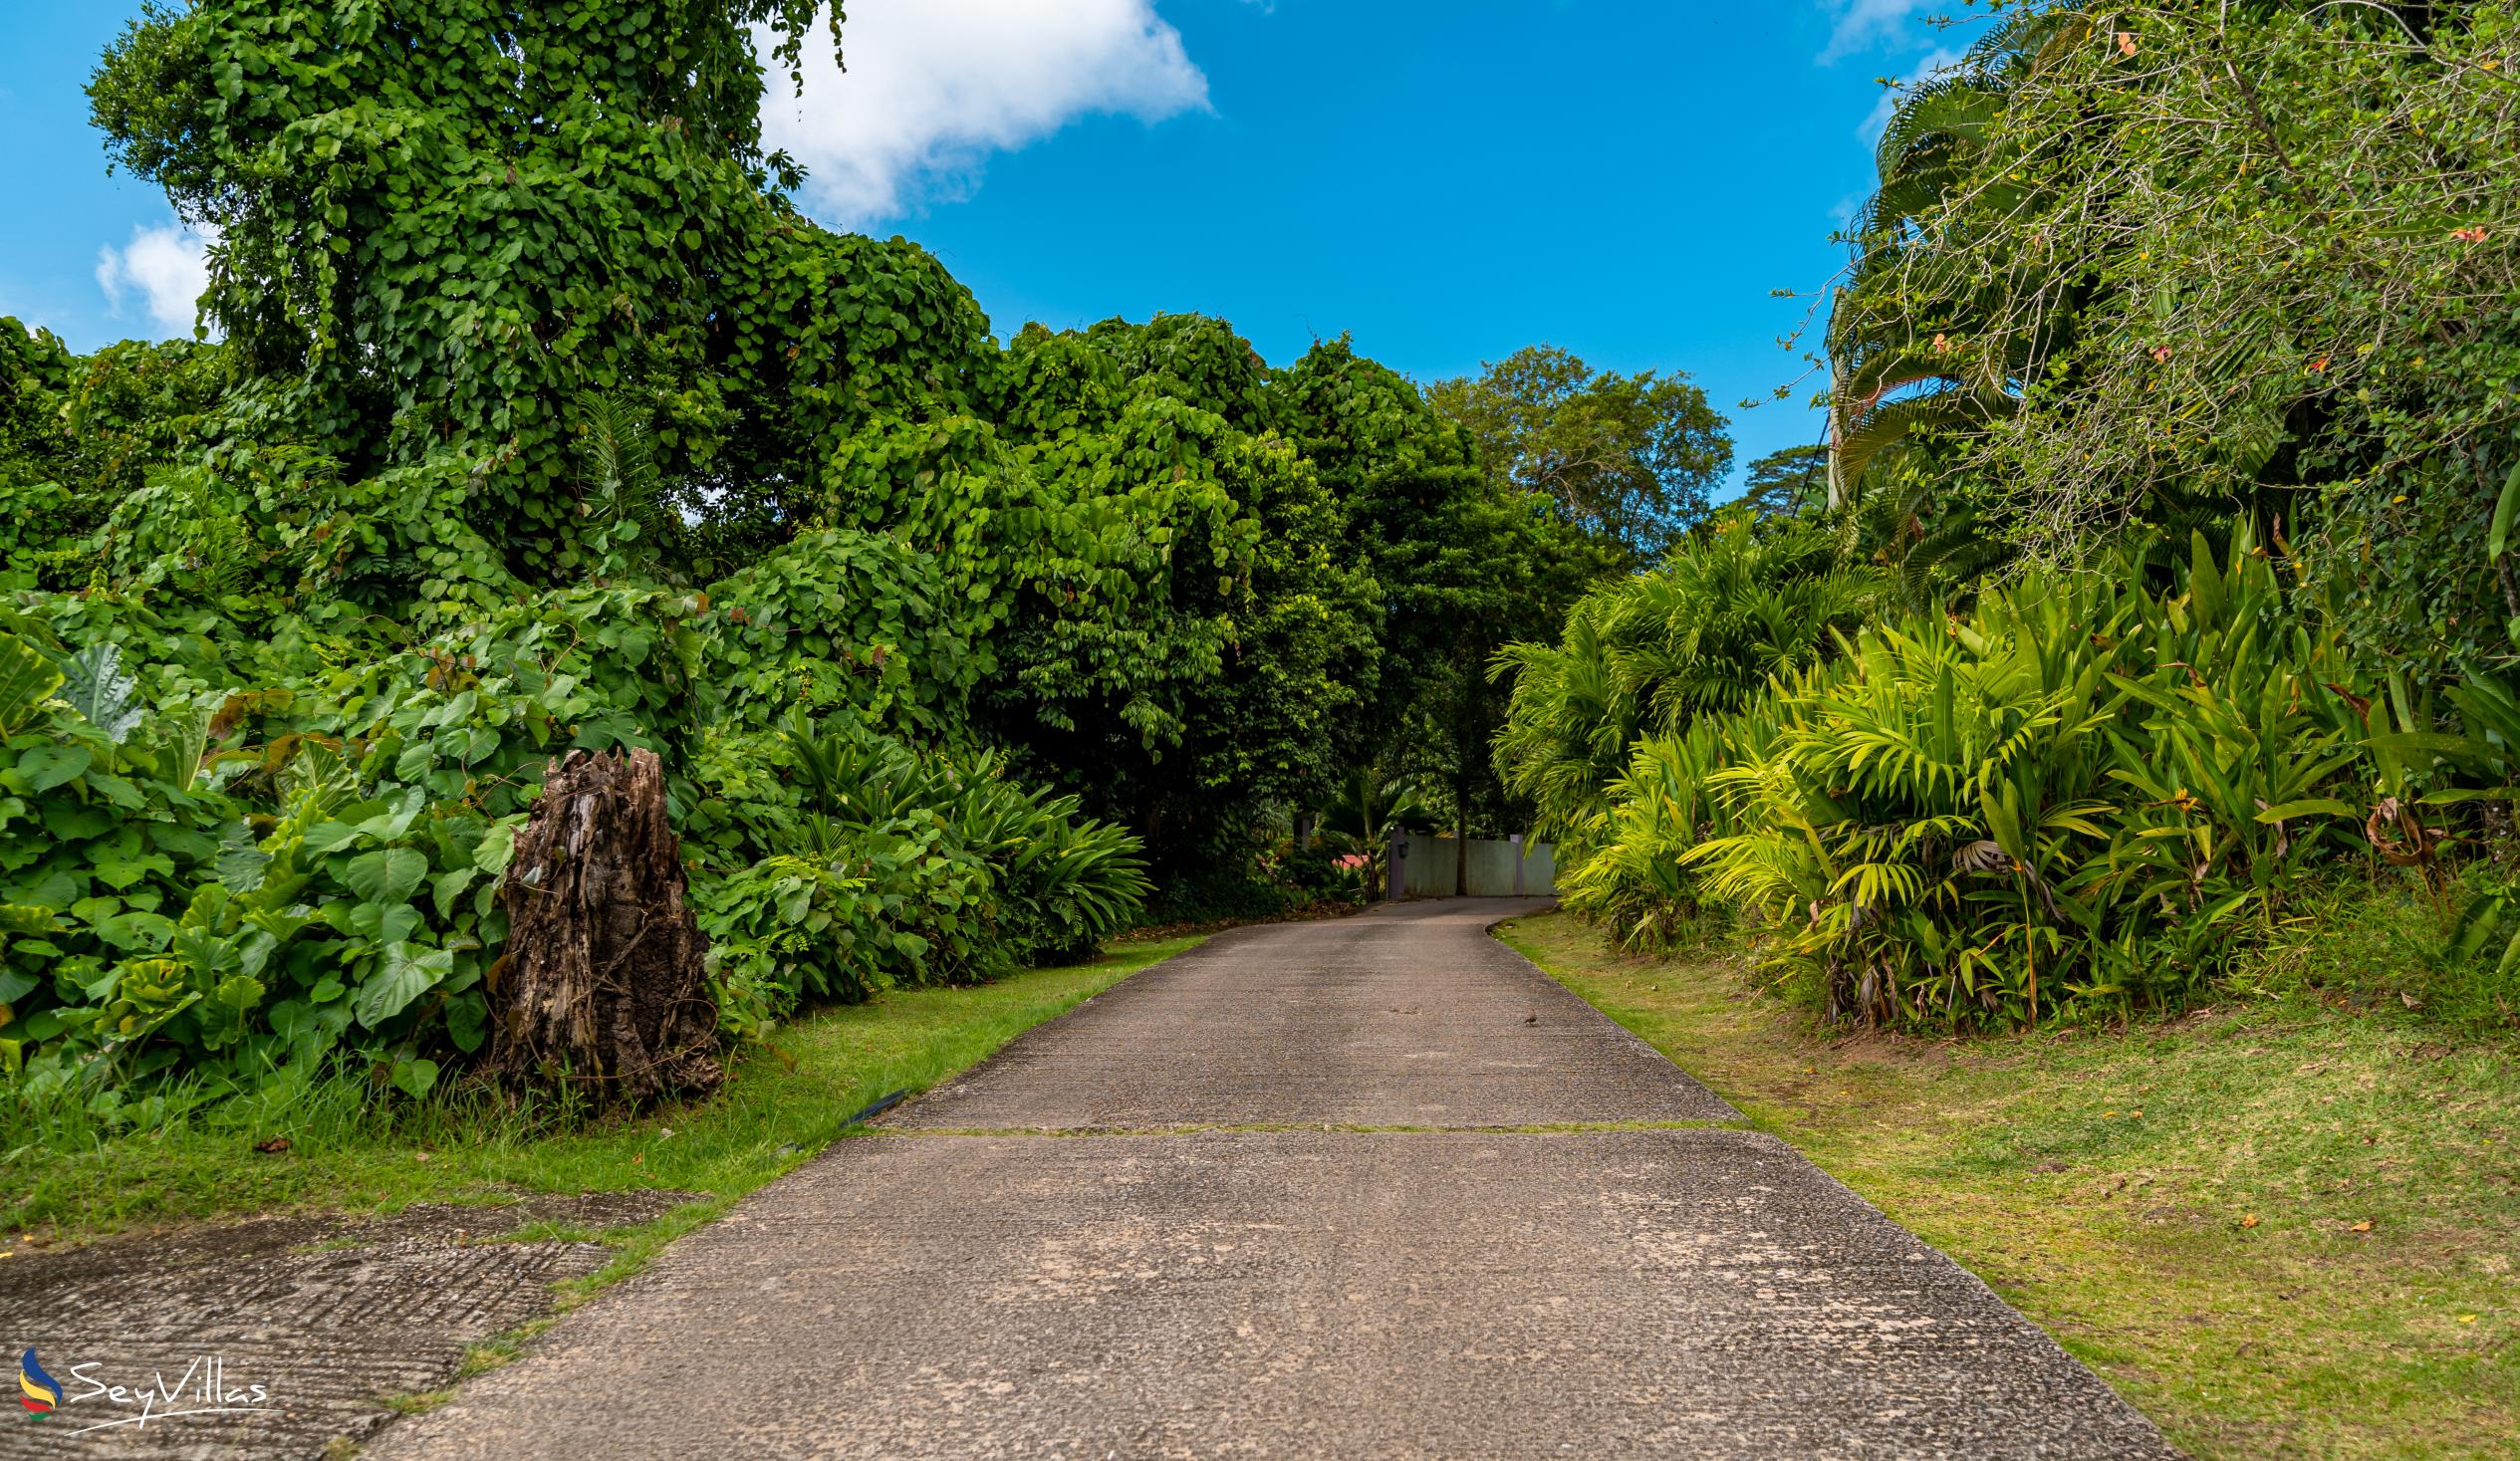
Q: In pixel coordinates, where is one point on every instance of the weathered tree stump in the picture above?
(602, 992)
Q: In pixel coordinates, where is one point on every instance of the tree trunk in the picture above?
(602, 992)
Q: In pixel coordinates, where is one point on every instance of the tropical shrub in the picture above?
(904, 868)
(1731, 606)
(2083, 790)
(1661, 806)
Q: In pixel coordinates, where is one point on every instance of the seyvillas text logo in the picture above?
(201, 1388)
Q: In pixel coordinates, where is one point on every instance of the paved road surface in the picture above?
(1106, 1244)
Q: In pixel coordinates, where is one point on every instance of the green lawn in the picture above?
(2280, 1229)
(782, 1103)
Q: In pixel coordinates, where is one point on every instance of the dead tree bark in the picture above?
(602, 992)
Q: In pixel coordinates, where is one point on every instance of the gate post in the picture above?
(1397, 859)
(1517, 840)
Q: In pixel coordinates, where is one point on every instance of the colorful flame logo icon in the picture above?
(37, 1391)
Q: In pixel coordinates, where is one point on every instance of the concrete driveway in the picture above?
(1366, 1188)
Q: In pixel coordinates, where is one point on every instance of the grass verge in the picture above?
(2279, 1229)
(782, 1102)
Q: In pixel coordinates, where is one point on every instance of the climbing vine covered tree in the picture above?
(440, 224)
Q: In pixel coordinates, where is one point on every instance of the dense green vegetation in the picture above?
(2154, 582)
(539, 419)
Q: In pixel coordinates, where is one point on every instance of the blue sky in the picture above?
(1449, 181)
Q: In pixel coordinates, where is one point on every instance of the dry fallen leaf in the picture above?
(2467, 1318)
(2363, 1226)
(276, 1144)
(2250, 1221)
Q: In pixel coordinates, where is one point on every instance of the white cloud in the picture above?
(167, 267)
(935, 85)
(1865, 23)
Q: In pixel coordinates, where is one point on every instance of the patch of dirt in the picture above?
(324, 1316)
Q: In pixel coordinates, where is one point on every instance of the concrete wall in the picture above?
(1430, 863)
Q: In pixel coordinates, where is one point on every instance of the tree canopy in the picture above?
(1626, 459)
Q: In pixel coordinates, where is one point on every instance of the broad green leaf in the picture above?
(136, 932)
(498, 847)
(397, 820)
(468, 1022)
(120, 870)
(449, 887)
(292, 1020)
(414, 1078)
(47, 767)
(71, 821)
(327, 837)
(384, 923)
(27, 680)
(22, 919)
(95, 685)
(401, 975)
(386, 876)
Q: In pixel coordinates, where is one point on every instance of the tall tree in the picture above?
(1786, 483)
(1626, 459)
(442, 225)
(1190, 635)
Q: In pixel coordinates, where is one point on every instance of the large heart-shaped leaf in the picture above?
(136, 932)
(47, 767)
(414, 1078)
(389, 875)
(384, 923)
(119, 870)
(468, 1022)
(401, 976)
(396, 819)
